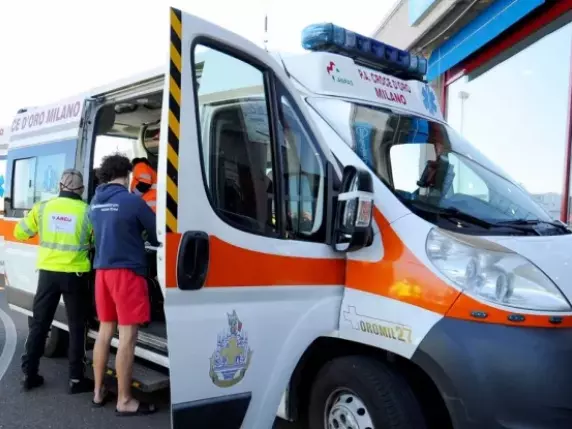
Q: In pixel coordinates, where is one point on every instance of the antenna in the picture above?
(266, 32)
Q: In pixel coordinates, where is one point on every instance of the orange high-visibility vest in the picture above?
(144, 173)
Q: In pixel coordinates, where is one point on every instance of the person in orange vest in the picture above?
(144, 181)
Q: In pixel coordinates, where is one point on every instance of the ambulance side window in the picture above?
(36, 179)
(257, 158)
(236, 140)
(303, 172)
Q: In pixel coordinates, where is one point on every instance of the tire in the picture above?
(56, 341)
(365, 390)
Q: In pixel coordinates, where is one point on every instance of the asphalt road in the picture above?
(50, 406)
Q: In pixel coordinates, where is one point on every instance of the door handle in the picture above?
(193, 260)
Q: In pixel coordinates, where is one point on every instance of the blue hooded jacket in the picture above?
(119, 219)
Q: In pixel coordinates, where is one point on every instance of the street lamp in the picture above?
(463, 95)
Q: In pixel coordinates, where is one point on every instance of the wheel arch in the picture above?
(325, 349)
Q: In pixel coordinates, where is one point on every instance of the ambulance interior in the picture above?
(132, 129)
(237, 154)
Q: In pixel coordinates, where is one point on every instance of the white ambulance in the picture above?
(331, 247)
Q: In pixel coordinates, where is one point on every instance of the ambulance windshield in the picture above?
(430, 167)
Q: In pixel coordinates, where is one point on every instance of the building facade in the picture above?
(503, 69)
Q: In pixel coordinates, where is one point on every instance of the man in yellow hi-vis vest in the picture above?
(66, 236)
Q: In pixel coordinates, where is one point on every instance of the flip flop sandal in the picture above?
(104, 400)
(144, 409)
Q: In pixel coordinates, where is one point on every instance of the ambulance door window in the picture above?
(33, 174)
(303, 172)
(37, 179)
(24, 183)
(236, 142)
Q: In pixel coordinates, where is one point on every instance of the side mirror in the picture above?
(352, 223)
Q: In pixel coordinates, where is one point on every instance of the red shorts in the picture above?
(122, 296)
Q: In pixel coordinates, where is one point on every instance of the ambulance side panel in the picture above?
(43, 143)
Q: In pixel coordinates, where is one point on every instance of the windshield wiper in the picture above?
(454, 212)
(451, 213)
(532, 223)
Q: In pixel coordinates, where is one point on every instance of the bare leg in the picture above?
(100, 357)
(124, 365)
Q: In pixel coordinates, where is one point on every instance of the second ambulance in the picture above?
(331, 247)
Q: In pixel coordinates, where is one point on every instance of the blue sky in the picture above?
(53, 49)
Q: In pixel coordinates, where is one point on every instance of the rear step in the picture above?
(145, 379)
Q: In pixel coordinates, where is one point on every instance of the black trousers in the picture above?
(51, 286)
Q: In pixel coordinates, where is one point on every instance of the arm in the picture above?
(91, 235)
(28, 226)
(90, 232)
(148, 220)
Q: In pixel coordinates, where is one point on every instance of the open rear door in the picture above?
(249, 280)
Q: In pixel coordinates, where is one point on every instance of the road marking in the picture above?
(11, 338)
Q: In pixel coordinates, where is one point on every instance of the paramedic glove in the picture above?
(148, 245)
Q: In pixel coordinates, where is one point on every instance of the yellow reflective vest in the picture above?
(65, 234)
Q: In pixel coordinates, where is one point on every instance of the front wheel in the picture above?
(358, 392)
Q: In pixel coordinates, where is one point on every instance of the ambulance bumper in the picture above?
(500, 377)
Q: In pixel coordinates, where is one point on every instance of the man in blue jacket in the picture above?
(119, 220)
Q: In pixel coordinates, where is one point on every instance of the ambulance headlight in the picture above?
(501, 277)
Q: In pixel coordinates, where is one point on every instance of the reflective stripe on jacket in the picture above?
(65, 234)
(150, 197)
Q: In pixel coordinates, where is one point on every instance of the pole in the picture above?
(463, 95)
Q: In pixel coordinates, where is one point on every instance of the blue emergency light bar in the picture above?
(328, 37)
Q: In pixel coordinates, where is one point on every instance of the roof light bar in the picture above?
(328, 37)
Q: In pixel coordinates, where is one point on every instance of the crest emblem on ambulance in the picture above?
(232, 356)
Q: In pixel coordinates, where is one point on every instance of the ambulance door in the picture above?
(249, 280)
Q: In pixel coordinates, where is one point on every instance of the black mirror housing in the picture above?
(354, 211)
